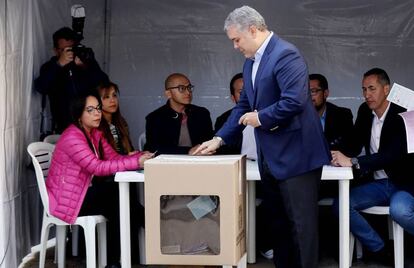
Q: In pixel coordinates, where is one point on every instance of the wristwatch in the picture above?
(355, 163)
(219, 139)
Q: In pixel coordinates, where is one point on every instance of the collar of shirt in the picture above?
(376, 129)
(258, 57)
(323, 118)
(259, 53)
(383, 115)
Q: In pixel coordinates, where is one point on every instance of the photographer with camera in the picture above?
(66, 75)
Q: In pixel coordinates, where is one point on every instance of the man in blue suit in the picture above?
(291, 147)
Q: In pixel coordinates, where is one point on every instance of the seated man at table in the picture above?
(380, 130)
(236, 87)
(178, 127)
(336, 124)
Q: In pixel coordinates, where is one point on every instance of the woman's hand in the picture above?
(144, 157)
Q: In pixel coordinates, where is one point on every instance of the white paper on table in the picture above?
(402, 96)
(409, 129)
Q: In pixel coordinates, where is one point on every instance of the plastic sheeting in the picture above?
(340, 39)
(140, 42)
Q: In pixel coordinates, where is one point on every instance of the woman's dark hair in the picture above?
(78, 105)
(77, 109)
(117, 120)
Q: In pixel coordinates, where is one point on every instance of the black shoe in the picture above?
(381, 256)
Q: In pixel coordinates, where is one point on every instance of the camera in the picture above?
(84, 53)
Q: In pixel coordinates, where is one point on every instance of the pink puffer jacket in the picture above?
(73, 166)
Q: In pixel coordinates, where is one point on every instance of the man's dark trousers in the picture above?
(292, 206)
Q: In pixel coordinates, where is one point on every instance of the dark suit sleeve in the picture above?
(393, 147)
(205, 131)
(340, 128)
(292, 77)
(50, 74)
(353, 143)
(219, 123)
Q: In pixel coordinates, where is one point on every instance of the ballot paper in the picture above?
(201, 206)
(409, 129)
(402, 96)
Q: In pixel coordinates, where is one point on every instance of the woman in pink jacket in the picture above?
(81, 154)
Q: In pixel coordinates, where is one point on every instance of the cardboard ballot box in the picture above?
(195, 210)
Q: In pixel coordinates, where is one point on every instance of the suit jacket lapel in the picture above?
(247, 80)
(262, 65)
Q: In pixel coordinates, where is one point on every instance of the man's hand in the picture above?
(251, 118)
(340, 160)
(65, 56)
(208, 147)
(78, 61)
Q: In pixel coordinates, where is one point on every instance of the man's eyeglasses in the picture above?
(182, 88)
(315, 91)
(90, 109)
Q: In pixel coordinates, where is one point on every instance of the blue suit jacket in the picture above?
(291, 138)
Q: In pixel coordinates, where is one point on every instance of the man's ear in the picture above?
(167, 94)
(233, 99)
(56, 51)
(253, 30)
(387, 89)
(326, 93)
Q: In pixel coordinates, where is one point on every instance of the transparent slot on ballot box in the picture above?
(190, 224)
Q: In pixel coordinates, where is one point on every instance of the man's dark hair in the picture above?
(382, 76)
(237, 76)
(323, 83)
(64, 33)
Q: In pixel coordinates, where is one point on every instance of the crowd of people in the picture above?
(281, 118)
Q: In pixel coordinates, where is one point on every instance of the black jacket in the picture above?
(163, 129)
(64, 84)
(235, 146)
(338, 125)
(392, 152)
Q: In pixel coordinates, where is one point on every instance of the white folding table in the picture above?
(342, 174)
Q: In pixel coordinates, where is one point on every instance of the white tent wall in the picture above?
(140, 42)
(26, 29)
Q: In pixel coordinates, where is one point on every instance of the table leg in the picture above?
(344, 224)
(251, 221)
(125, 224)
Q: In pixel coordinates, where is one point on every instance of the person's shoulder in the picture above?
(336, 108)
(225, 115)
(396, 109)
(71, 136)
(51, 63)
(157, 112)
(282, 44)
(364, 108)
(197, 108)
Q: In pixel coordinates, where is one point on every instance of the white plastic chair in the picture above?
(52, 139)
(397, 233)
(141, 141)
(41, 154)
